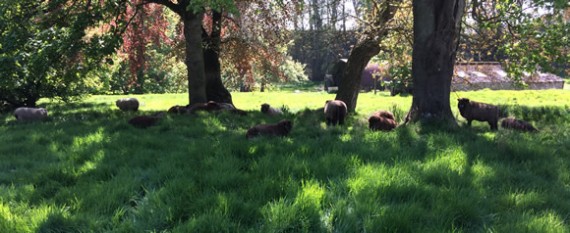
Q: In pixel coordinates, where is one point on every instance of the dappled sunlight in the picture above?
(303, 212)
(524, 200)
(23, 217)
(87, 168)
(483, 174)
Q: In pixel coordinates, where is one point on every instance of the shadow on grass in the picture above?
(200, 174)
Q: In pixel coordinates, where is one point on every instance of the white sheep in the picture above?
(128, 104)
(30, 114)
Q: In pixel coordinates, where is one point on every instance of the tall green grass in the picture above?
(87, 170)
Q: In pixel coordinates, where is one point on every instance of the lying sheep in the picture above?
(177, 109)
(281, 129)
(271, 111)
(146, 121)
(214, 107)
(30, 114)
(128, 104)
(472, 110)
(512, 123)
(382, 120)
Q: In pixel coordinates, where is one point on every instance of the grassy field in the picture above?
(87, 170)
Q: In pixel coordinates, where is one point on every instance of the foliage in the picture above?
(86, 169)
(524, 40)
(397, 50)
(147, 26)
(46, 54)
(526, 36)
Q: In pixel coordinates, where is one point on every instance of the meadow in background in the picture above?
(86, 169)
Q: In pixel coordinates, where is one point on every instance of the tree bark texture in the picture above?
(366, 47)
(437, 24)
(194, 58)
(359, 57)
(215, 90)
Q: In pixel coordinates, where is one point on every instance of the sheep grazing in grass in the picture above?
(512, 123)
(30, 114)
(335, 112)
(144, 122)
(472, 110)
(271, 111)
(281, 129)
(382, 120)
(128, 104)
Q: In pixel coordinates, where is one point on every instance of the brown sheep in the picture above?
(335, 112)
(211, 106)
(177, 109)
(512, 123)
(472, 110)
(382, 120)
(30, 114)
(128, 104)
(281, 129)
(231, 108)
(145, 121)
(271, 111)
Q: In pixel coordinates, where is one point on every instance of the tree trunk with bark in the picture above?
(366, 47)
(437, 25)
(215, 90)
(359, 57)
(194, 58)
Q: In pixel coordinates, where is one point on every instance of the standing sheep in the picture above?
(335, 112)
(30, 114)
(472, 110)
(128, 104)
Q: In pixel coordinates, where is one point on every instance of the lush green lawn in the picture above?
(87, 170)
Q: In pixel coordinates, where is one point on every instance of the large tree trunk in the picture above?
(215, 90)
(437, 25)
(359, 57)
(194, 58)
(366, 47)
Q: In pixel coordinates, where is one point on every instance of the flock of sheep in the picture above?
(335, 112)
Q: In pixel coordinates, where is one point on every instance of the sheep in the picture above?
(212, 106)
(382, 120)
(271, 111)
(335, 112)
(30, 114)
(512, 123)
(472, 110)
(128, 104)
(146, 121)
(177, 109)
(281, 129)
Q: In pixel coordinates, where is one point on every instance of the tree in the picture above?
(367, 46)
(146, 27)
(437, 26)
(529, 32)
(45, 52)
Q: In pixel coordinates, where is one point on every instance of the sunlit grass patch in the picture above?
(87, 170)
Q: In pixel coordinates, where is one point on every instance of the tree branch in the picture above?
(177, 8)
